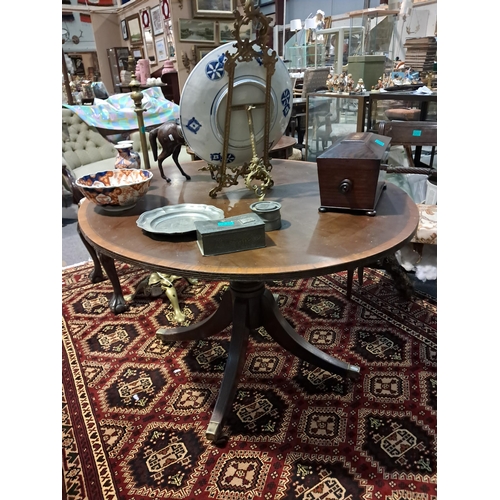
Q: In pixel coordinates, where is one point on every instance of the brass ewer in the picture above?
(259, 168)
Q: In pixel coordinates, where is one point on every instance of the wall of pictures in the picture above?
(161, 30)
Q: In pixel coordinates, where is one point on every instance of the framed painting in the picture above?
(150, 47)
(201, 52)
(197, 30)
(138, 52)
(134, 29)
(213, 8)
(157, 20)
(226, 28)
(124, 30)
(161, 50)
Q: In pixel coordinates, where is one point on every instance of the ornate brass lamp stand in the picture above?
(136, 96)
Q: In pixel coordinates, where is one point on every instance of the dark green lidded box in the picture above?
(233, 234)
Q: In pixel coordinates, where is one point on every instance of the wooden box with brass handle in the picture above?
(350, 173)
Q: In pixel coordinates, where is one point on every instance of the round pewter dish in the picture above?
(176, 219)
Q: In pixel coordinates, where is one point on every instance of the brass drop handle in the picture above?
(345, 186)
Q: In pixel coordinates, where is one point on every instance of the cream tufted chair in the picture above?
(84, 151)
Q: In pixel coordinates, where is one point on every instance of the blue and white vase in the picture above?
(127, 157)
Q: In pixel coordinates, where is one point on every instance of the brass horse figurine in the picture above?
(169, 135)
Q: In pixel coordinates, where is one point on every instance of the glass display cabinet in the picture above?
(403, 105)
(304, 56)
(371, 53)
(331, 116)
(118, 61)
(379, 28)
(301, 55)
(338, 38)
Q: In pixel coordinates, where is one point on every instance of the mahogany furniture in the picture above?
(349, 172)
(283, 148)
(308, 244)
(412, 134)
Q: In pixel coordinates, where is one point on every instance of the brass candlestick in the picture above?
(136, 96)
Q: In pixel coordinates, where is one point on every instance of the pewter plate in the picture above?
(175, 219)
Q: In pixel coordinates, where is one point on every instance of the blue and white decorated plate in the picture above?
(203, 104)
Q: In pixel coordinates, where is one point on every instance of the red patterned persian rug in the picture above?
(135, 410)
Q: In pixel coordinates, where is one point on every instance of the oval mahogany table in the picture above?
(308, 244)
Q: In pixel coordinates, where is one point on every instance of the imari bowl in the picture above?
(115, 190)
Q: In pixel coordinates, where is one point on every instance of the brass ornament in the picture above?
(259, 168)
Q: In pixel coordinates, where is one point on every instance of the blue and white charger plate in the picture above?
(204, 99)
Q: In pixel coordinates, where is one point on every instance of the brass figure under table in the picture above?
(155, 285)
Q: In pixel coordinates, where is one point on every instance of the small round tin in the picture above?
(269, 212)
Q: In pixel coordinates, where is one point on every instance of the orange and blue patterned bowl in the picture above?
(115, 189)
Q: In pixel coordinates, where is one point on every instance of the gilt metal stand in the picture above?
(258, 169)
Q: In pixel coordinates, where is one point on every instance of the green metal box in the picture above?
(233, 234)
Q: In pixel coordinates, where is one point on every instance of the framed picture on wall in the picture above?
(124, 29)
(134, 29)
(197, 30)
(201, 52)
(157, 20)
(213, 8)
(226, 28)
(150, 47)
(138, 52)
(161, 50)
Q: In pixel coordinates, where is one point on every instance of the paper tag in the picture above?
(417, 133)
(226, 223)
(379, 142)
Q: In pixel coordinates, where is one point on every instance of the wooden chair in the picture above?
(314, 79)
(410, 135)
